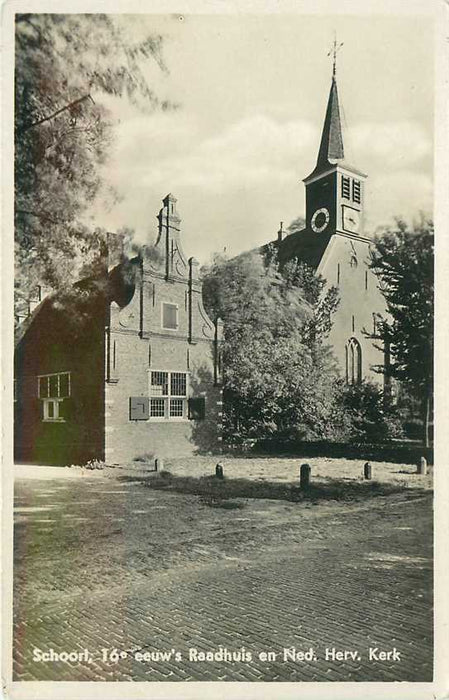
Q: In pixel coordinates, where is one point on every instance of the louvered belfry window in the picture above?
(346, 187)
(356, 191)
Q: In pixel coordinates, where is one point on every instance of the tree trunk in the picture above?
(427, 419)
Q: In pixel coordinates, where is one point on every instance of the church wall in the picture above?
(345, 266)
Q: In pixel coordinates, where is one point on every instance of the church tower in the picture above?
(335, 189)
(334, 242)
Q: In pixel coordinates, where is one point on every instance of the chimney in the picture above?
(281, 232)
(169, 229)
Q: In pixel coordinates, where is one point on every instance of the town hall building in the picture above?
(130, 368)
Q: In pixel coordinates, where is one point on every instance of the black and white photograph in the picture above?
(221, 371)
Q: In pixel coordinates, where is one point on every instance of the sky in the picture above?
(252, 93)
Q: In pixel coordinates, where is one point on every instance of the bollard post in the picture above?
(367, 471)
(304, 476)
(422, 466)
(158, 464)
(219, 471)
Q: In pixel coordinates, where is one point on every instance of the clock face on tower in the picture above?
(351, 220)
(320, 220)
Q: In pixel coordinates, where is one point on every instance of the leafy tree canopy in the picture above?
(279, 373)
(297, 224)
(403, 260)
(64, 63)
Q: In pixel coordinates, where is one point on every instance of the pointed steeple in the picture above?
(331, 146)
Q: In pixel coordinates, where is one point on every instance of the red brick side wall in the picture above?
(138, 344)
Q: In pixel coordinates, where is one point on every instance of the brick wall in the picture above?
(138, 344)
(59, 341)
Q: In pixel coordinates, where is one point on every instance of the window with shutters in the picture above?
(168, 395)
(53, 390)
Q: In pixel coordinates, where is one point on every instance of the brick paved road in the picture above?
(100, 565)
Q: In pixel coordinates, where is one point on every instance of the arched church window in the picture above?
(353, 262)
(353, 361)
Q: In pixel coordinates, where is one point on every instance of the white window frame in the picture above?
(55, 418)
(55, 401)
(168, 397)
(169, 303)
(54, 374)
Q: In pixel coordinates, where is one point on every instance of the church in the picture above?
(334, 243)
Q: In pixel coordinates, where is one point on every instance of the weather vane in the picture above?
(335, 48)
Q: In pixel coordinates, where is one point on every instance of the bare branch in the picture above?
(55, 114)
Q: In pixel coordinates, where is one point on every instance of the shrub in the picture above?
(366, 416)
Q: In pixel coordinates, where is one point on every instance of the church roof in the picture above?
(303, 245)
(331, 146)
(331, 149)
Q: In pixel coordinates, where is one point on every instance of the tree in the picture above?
(403, 260)
(280, 377)
(297, 224)
(64, 64)
(367, 417)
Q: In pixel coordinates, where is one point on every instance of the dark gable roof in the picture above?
(305, 246)
(116, 285)
(22, 329)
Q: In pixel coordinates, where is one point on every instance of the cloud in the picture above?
(394, 145)
(403, 194)
(235, 184)
(250, 151)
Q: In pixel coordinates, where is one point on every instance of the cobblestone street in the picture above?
(102, 564)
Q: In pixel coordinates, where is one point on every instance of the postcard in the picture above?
(222, 372)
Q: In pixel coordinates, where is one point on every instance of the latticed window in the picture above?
(176, 408)
(356, 191)
(157, 408)
(353, 361)
(168, 395)
(159, 383)
(346, 187)
(178, 384)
